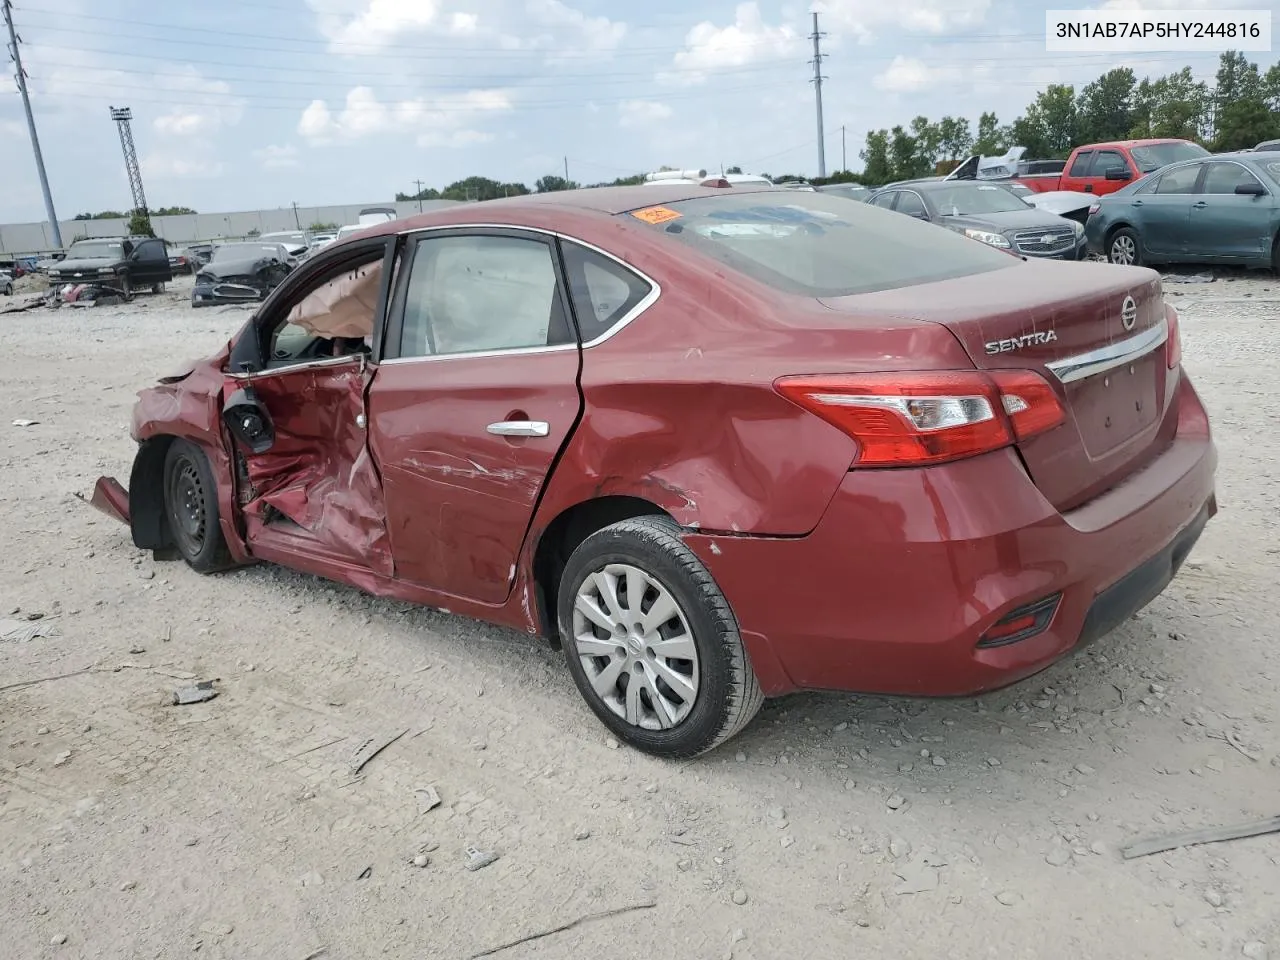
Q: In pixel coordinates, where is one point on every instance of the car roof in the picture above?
(535, 208)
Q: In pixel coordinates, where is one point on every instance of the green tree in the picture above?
(1029, 131)
(990, 141)
(140, 224)
(1245, 123)
(954, 139)
(1271, 87)
(1105, 107)
(736, 170)
(1054, 112)
(482, 188)
(173, 212)
(104, 215)
(426, 193)
(552, 184)
(318, 227)
(902, 154)
(876, 168)
(1171, 106)
(927, 138)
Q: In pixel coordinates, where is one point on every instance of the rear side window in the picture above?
(885, 200)
(910, 203)
(1180, 180)
(603, 291)
(815, 245)
(1080, 165)
(1108, 160)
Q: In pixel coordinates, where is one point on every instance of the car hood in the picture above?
(1062, 201)
(1029, 219)
(235, 268)
(83, 265)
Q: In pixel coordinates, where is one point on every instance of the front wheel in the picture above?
(652, 643)
(157, 288)
(191, 508)
(1124, 248)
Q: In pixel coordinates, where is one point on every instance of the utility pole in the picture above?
(566, 171)
(122, 116)
(418, 184)
(844, 156)
(296, 222)
(21, 77)
(816, 37)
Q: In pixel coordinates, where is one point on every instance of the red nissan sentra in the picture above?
(720, 444)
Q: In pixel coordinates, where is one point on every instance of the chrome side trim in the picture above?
(476, 354)
(351, 358)
(1071, 369)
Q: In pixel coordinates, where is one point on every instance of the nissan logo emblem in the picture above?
(1129, 313)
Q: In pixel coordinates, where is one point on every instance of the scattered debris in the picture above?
(1196, 837)
(1255, 950)
(58, 940)
(327, 743)
(24, 631)
(1008, 897)
(1214, 898)
(428, 798)
(917, 876)
(365, 874)
(1233, 738)
(420, 860)
(370, 749)
(62, 758)
(739, 897)
(1187, 278)
(478, 859)
(197, 693)
(25, 423)
(1059, 856)
(588, 918)
(215, 929)
(314, 954)
(896, 802)
(60, 676)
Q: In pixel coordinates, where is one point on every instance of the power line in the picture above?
(21, 76)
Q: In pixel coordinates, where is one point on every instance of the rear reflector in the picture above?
(1021, 624)
(918, 418)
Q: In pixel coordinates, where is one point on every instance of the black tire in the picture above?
(727, 694)
(157, 288)
(1121, 241)
(191, 508)
(1275, 255)
(126, 287)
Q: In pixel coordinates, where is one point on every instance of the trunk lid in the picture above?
(1068, 322)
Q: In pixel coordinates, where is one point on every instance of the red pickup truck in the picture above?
(1099, 168)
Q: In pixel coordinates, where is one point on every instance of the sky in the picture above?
(248, 104)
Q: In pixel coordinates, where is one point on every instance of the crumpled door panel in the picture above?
(318, 473)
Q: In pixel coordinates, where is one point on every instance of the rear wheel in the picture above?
(1124, 248)
(652, 643)
(157, 288)
(126, 287)
(191, 507)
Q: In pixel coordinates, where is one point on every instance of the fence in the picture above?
(23, 239)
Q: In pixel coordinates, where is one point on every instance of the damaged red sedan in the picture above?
(720, 444)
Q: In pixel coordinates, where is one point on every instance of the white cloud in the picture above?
(435, 123)
(641, 113)
(166, 165)
(273, 157)
(709, 48)
(587, 34)
(908, 75)
(936, 17)
(378, 23)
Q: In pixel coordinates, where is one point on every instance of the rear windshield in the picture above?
(1159, 155)
(95, 250)
(817, 245)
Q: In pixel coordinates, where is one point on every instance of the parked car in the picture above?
(986, 212)
(240, 272)
(200, 254)
(180, 261)
(1223, 209)
(854, 191)
(1268, 146)
(700, 176)
(6, 282)
(719, 444)
(1097, 168)
(119, 263)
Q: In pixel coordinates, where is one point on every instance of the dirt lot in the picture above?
(130, 828)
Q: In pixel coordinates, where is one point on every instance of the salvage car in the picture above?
(6, 283)
(854, 191)
(1223, 209)
(986, 212)
(118, 264)
(240, 272)
(717, 443)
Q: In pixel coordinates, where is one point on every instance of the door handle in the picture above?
(1200, 205)
(1088, 188)
(1135, 203)
(520, 428)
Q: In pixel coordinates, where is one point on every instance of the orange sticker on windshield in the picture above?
(656, 214)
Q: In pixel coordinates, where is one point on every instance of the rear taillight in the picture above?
(1173, 345)
(911, 419)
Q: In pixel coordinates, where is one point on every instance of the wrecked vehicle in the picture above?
(718, 444)
(241, 272)
(119, 264)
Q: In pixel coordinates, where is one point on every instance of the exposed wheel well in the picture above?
(561, 538)
(147, 518)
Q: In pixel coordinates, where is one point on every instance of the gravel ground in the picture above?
(834, 826)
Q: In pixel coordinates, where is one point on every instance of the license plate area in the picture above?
(1112, 407)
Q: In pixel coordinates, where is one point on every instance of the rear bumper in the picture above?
(909, 569)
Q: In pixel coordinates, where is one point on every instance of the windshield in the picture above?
(96, 250)
(1159, 155)
(969, 199)
(245, 251)
(817, 245)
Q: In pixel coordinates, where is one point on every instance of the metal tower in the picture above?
(818, 57)
(122, 116)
